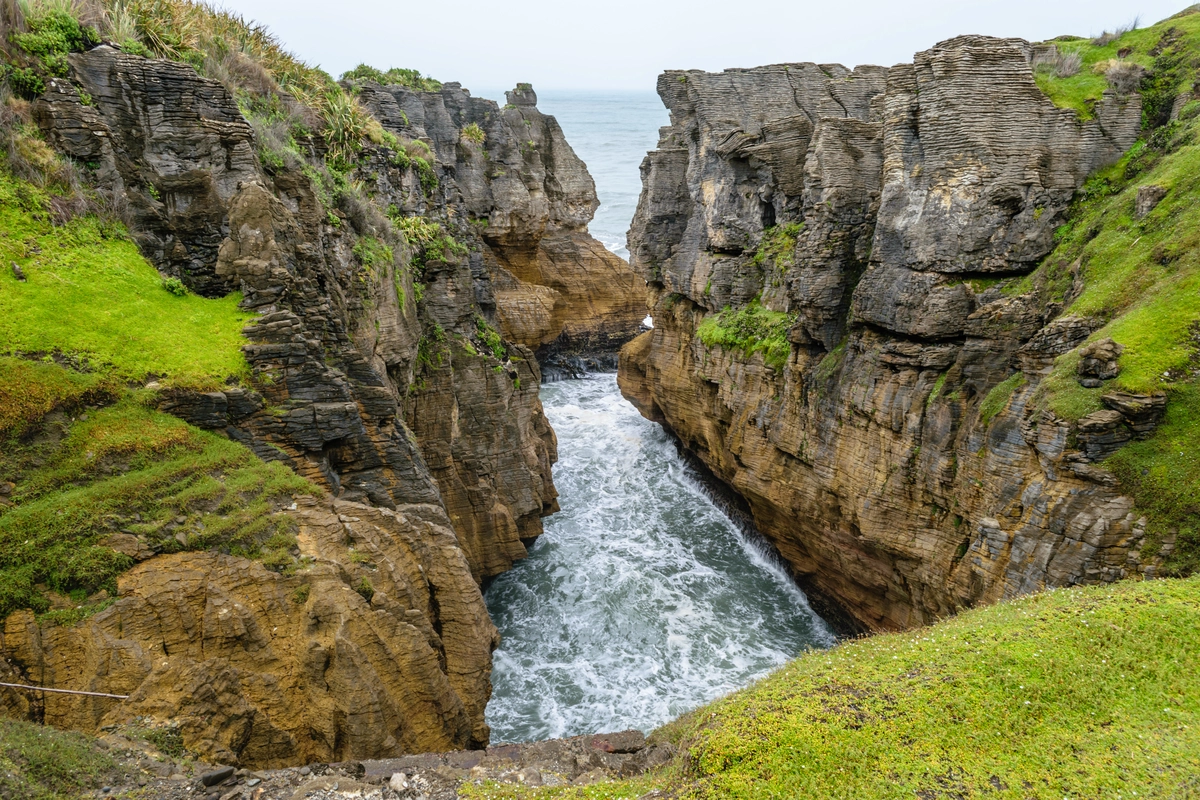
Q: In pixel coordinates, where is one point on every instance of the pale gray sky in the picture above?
(624, 44)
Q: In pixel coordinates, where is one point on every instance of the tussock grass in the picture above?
(1119, 60)
(1068, 693)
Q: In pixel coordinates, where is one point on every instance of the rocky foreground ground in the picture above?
(144, 771)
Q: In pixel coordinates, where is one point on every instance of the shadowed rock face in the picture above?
(437, 455)
(863, 458)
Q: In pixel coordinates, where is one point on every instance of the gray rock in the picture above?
(1148, 198)
(217, 776)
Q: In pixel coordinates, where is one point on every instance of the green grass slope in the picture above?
(89, 292)
(85, 458)
(1139, 277)
(41, 763)
(1070, 693)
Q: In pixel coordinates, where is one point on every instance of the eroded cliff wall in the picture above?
(823, 247)
(377, 373)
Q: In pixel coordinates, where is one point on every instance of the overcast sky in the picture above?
(624, 44)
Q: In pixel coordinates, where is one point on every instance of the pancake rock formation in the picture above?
(813, 238)
(393, 366)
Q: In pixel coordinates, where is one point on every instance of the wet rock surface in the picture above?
(865, 457)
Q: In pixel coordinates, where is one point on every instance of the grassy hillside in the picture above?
(89, 292)
(84, 455)
(1138, 277)
(1069, 693)
(40, 763)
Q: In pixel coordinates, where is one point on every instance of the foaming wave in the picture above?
(642, 600)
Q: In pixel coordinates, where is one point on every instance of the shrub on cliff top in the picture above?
(410, 78)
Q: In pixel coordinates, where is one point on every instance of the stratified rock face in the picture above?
(261, 669)
(531, 198)
(365, 382)
(863, 457)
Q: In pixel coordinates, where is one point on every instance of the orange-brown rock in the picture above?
(380, 645)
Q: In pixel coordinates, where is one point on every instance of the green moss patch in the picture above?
(89, 292)
(750, 329)
(998, 398)
(778, 248)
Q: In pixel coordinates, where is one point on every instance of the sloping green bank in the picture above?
(1070, 693)
(92, 477)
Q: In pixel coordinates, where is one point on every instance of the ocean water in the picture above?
(611, 132)
(641, 600)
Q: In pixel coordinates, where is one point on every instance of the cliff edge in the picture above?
(876, 312)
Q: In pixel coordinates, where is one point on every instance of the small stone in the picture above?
(20, 275)
(105, 789)
(253, 782)
(217, 776)
(180, 520)
(1091, 383)
(399, 782)
(305, 771)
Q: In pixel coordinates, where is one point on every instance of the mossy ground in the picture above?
(1069, 693)
(82, 454)
(90, 292)
(41, 763)
(98, 470)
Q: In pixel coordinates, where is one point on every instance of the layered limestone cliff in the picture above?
(531, 199)
(822, 247)
(378, 374)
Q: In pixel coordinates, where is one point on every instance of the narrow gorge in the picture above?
(314, 471)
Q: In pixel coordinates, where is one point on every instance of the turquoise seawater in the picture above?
(642, 600)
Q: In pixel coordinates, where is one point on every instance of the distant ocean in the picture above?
(611, 132)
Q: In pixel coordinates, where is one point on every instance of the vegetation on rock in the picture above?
(750, 329)
(41, 763)
(89, 292)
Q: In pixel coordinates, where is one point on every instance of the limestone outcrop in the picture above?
(860, 211)
(393, 365)
(531, 198)
(257, 668)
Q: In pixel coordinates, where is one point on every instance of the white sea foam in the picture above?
(642, 600)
